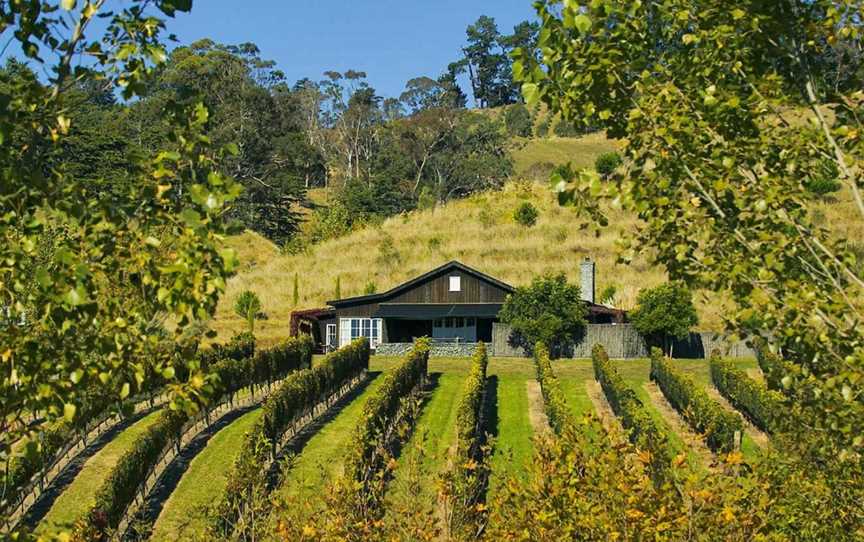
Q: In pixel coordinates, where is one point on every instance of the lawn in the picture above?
(321, 457)
(203, 483)
(80, 496)
(427, 452)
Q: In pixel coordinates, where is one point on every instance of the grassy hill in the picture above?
(478, 231)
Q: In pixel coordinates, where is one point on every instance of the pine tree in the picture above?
(296, 296)
(338, 294)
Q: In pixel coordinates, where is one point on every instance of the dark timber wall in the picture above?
(437, 290)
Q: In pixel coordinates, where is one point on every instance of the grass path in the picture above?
(183, 516)
(513, 447)
(427, 452)
(321, 457)
(80, 496)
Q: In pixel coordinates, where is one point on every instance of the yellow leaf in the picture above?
(7, 355)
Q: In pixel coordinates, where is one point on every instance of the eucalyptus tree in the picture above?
(85, 280)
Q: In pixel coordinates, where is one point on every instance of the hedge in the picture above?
(469, 473)
(296, 396)
(644, 432)
(362, 459)
(762, 406)
(119, 488)
(703, 414)
(555, 403)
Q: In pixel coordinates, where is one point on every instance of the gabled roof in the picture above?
(447, 267)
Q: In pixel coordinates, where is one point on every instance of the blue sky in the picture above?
(391, 40)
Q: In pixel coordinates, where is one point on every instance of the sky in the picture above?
(391, 40)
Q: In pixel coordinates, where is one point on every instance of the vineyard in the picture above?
(347, 445)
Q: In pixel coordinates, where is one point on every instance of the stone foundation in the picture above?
(438, 350)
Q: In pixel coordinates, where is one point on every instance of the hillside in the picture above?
(478, 231)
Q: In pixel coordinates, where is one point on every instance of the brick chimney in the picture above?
(587, 284)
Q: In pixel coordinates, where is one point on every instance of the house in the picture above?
(452, 303)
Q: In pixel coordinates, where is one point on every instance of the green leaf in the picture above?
(68, 5)
(124, 391)
(69, 411)
(582, 23)
(531, 93)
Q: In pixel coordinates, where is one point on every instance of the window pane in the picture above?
(469, 322)
(455, 284)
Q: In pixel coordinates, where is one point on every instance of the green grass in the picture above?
(426, 453)
(203, 483)
(80, 496)
(321, 458)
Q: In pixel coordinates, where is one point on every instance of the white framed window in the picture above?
(331, 335)
(354, 328)
(455, 284)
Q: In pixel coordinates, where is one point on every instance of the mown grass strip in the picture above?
(184, 516)
(513, 445)
(74, 503)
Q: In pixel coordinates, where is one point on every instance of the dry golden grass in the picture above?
(478, 231)
(581, 151)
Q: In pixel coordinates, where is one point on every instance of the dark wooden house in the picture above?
(450, 303)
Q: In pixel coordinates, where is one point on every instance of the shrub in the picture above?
(772, 365)
(644, 432)
(518, 121)
(123, 482)
(555, 404)
(549, 310)
(526, 214)
(607, 163)
(542, 129)
(663, 313)
(702, 413)
(824, 179)
(370, 288)
(364, 458)
(465, 483)
(761, 406)
(607, 296)
(566, 129)
(295, 397)
(247, 306)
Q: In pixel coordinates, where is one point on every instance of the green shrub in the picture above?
(296, 396)
(247, 306)
(363, 458)
(663, 313)
(762, 406)
(607, 163)
(554, 401)
(466, 482)
(526, 214)
(549, 310)
(123, 482)
(542, 129)
(644, 432)
(772, 365)
(702, 413)
(370, 288)
(824, 179)
(518, 121)
(566, 129)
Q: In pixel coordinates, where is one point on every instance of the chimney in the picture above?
(587, 285)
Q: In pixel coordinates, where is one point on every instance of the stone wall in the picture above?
(438, 350)
(622, 341)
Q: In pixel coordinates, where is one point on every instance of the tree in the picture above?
(247, 306)
(719, 186)
(86, 282)
(295, 295)
(549, 310)
(663, 313)
(255, 111)
(518, 121)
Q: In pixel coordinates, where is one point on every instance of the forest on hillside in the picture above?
(378, 156)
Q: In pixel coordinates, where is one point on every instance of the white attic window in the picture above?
(456, 284)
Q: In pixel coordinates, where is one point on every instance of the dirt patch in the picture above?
(602, 408)
(756, 435)
(679, 425)
(536, 409)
